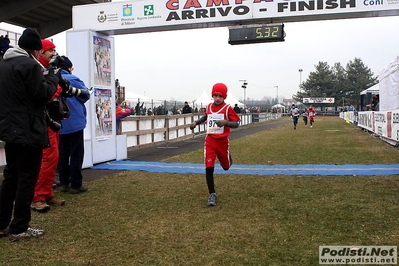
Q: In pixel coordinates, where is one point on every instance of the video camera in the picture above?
(53, 67)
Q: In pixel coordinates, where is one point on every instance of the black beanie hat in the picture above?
(30, 40)
(66, 63)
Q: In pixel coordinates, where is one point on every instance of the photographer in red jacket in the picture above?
(44, 195)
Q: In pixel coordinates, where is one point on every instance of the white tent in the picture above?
(389, 87)
(232, 100)
(134, 98)
(144, 101)
(278, 106)
(373, 90)
(203, 100)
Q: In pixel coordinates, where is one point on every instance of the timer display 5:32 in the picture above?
(256, 34)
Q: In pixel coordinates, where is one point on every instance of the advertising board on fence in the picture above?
(318, 100)
(385, 124)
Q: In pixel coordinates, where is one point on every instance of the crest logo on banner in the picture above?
(102, 17)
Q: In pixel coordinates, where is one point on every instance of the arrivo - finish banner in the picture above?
(157, 15)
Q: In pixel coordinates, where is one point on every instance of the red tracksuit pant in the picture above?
(48, 169)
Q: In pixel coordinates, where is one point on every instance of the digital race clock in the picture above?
(256, 34)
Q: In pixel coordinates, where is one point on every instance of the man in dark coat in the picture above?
(24, 92)
(236, 108)
(186, 108)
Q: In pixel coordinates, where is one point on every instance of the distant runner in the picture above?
(295, 115)
(312, 114)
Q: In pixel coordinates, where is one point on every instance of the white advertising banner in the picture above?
(383, 123)
(93, 62)
(161, 15)
(366, 120)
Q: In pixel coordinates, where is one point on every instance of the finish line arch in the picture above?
(91, 46)
(150, 16)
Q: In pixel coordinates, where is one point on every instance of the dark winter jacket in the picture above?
(187, 109)
(24, 91)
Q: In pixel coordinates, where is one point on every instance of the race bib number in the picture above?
(212, 127)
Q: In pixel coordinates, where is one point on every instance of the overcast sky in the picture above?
(180, 65)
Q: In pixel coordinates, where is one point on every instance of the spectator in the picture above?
(375, 104)
(44, 195)
(122, 110)
(220, 117)
(24, 90)
(71, 145)
(4, 45)
(237, 109)
(187, 108)
(137, 108)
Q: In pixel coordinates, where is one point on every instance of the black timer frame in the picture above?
(256, 34)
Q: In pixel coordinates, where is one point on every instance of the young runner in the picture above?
(220, 117)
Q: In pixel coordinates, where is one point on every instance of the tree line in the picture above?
(343, 84)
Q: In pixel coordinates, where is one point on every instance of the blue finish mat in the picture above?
(277, 169)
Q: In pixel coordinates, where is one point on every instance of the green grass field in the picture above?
(139, 218)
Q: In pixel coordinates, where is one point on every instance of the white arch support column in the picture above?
(92, 55)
